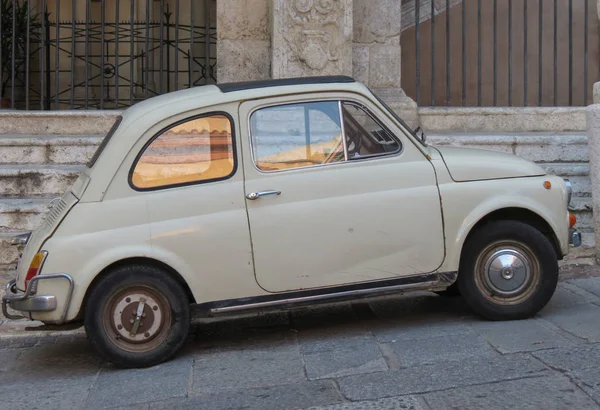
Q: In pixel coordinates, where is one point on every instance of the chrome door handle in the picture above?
(255, 195)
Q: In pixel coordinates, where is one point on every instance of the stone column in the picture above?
(311, 38)
(377, 54)
(243, 40)
(593, 134)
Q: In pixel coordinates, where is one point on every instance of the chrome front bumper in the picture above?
(29, 302)
(574, 238)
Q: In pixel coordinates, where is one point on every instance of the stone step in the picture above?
(564, 147)
(57, 122)
(8, 253)
(30, 181)
(48, 149)
(21, 214)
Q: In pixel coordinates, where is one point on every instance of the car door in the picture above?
(336, 194)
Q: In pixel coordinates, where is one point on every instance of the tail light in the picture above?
(35, 266)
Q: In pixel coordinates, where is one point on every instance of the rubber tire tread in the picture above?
(130, 275)
(539, 245)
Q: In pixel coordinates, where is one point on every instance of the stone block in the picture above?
(384, 66)
(445, 375)
(360, 62)
(503, 119)
(376, 21)
(248, 368)
(57, 122)
(520, 336)
(579, 320)
(311, 38)
(593, 132)
(363, 357)
(553, 392)
(243, 20)
(440, 349)
(389, 403)
(289, 396)
(27, 181)
(134, 386)
(570, 359)
(243, 60)
(589, 285)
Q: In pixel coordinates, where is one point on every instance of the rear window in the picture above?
(104, 142)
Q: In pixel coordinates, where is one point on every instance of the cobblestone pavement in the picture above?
(413, 352)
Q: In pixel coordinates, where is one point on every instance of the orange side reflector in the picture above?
(547, 184)
(572, 220)
(34, 266)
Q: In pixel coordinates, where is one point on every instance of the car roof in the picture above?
(163, 106)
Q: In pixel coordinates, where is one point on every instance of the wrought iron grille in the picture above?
(500, 52)
(120, 52)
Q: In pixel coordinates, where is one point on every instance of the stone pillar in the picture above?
(593, 134)
(377, 54)
(243, 40)
(311, 38)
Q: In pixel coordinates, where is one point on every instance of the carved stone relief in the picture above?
(314, 37)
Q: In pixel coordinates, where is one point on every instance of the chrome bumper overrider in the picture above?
(574, 237)
(28, 301)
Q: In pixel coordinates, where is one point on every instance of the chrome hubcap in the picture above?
(507, 272)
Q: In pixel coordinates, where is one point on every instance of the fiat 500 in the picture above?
(242, 197)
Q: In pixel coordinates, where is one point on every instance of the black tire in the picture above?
(493, 276)
(118, 295)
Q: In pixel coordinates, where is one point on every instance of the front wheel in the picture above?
(508, 271)
(137, 316)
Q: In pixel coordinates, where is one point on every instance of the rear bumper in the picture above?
(28, 302)
(574, 238)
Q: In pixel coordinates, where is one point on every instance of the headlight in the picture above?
(569, 191)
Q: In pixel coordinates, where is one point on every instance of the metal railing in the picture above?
(106, 54)
(500, 52)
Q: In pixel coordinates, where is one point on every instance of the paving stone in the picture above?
(41, 363)
(291, 396)
(389, 403)
(441, 376)
(548, 393)
(116, 387)
(363, 356)
(439, 349)
(588, 380)
(417, 328)
(520, 336)
(569, 359)
(566, 295)
(579, 320)
(591, 285)
(239, 369)
(333, 338)
(47, 394)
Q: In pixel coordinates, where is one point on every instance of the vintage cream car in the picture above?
(236, 197)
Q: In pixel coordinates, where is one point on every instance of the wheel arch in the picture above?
(519, 214)
(138, 260)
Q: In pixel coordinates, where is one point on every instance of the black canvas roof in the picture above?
(248, 85)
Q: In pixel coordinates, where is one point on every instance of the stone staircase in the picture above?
(41, 155)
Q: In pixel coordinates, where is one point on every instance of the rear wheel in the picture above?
(508, 271)
(137, 316)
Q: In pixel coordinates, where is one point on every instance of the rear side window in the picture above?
(104, 142)
(194, 151)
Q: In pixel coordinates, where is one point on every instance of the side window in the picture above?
(197, 150)
(365, 136)
(297, 135)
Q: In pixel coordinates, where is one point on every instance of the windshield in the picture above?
(104, 142)
(400, 120)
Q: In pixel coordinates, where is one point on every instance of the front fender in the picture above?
(466, 204)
